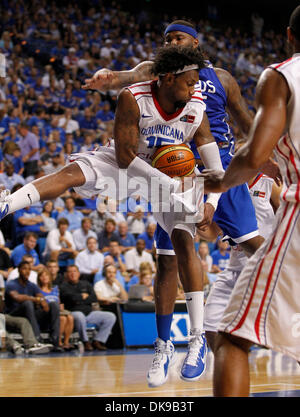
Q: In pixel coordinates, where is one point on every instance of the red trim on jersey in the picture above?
(243, 318)
(141, 93)
(163, 114)
(257, 178)
(282, 63)
(287, 168)
(138, 85)
(270, 276)
(198, 98)
(292, 158)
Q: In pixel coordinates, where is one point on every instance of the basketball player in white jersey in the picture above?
(169, 110)
(265, 195)
(264, 306)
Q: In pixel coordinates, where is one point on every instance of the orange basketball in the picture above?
(174, 160)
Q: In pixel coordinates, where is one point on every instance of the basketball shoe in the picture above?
(4, 203)
(194, 363)
(164, 358)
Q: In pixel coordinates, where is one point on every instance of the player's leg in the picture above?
(231, 367)
(45, 188)
(165, 292)
(191, 276)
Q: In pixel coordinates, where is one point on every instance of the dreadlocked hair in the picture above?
(172, 58)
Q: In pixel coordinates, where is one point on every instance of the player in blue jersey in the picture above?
(233, 211)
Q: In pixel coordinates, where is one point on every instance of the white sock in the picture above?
(195, 308)
(24, 197)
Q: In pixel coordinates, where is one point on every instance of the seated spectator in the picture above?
(134, 258)
(79, 297)
(220, 256)
(136, 221)
(109, 290)
(14, 273)
(26, 248)
(145, 268)
(148, 236)
(24, 299)
(54, 164)
(57, 277)
(99, 218)
(49, 216)
(6, 265)
(51, 294)
(81, 235)
(60, 245)
(108, 234)
(206, 259)
(142, 291)
(122, 278)
(115, 252)
(30, 343)
(90, 261)
(9, 178)
(126, 239)
(29, 219)
(12, 154)
(115, 214)
(73, 216)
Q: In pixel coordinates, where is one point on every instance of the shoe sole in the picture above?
(39, 351)
(172, 363)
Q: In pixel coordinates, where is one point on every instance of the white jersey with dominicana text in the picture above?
(158, 128)
(288, 147)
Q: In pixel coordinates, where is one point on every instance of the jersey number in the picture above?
(156, 141)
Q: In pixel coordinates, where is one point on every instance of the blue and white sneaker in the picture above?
(164, 358)
(194, 363)
(4, 203)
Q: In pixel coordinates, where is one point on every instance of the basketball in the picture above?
(174, 160)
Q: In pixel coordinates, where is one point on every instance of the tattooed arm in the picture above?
(126, 129)
(105, 79)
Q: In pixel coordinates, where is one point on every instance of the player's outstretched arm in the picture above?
(106, 79)
(272, 95)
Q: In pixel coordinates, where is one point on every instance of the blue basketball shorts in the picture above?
(235, 215)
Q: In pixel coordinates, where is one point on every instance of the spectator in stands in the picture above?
(99, 217)
(51, 294)
(220, 256)
(90, 261)
(73, 216)
(206, 259)
(143, 291)
(6, 265)
(14, 273)
(28, 219)
(126, 239)
(9, 178)
(122, 278)
(29, 145)
(69, 124)
(134, 258)
(107, 235)
(109, 290)
(24, 299)
(82, 234)
(148, 236)
(48, 215)
(57, 277)
(114, 250)
(26, 248)
(60, 245)
(78, 297)
(115, 214)
(136, 221)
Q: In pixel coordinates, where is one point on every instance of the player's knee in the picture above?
(228, 341)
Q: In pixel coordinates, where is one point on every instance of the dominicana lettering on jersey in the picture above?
(164, 130)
